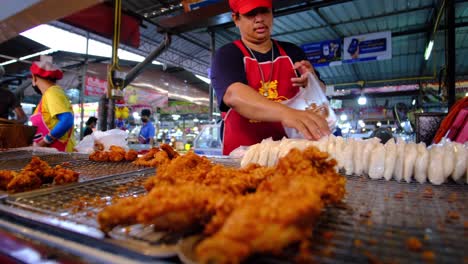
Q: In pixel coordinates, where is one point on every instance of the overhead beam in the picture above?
(217, 16)
(377, 95)
(359, 20)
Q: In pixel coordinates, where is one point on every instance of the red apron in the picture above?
(42, 130)
(240, 131)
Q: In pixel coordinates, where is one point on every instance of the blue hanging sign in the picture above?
(323, 53)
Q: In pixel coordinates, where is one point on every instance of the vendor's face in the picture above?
(256, 25)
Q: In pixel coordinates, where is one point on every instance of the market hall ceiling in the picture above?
(303, 22)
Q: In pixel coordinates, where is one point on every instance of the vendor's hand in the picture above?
(303, 67)
(310, 124)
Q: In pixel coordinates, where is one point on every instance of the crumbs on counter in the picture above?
(413, 244)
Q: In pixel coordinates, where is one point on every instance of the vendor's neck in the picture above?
(259, 46)
(44, 85)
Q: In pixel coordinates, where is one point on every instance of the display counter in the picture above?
(377, 221)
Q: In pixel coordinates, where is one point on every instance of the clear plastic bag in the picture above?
(311, 98)
(114, 137)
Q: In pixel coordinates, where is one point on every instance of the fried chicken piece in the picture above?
(114, 148)
(310, 162)
(155, 156)
(5, 177)
(40, 168)
(187, 168)
(24, 181)
(159, 159)
(281, 212)
(262, 224)
(178, 208)
(145, 159)
(63, 175)
(99, 156)
(171, 153)
(123, 212)
(189, 191)
(167, 207)
(131, 155)
(116, 156)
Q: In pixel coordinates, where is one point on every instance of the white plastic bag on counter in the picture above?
(113, 137)
(312, 98)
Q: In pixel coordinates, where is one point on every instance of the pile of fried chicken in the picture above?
(156, 156)
(115, 154)
(242, 211)
(34, 175)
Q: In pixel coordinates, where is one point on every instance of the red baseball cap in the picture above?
(245, 6)
(46, 70)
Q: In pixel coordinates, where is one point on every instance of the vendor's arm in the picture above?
(252, 105)
(64, 124)
(61, 128)
(151, 136)
(20, 115)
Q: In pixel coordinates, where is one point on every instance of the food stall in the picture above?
(310, 202)
(377, 221)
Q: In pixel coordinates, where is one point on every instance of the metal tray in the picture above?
(19, 154)
(73, 209)
(373, 224)
(376, 220)
(225, 160)
(51, 158)
(89, 170)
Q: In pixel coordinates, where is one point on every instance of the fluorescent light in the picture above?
(217, 114)
(8, 62)
(45, 52)
(343, 117)
(136, 115)
(362, 100)
(428, 51)
(59, 39)
(195, 120)
(466, 95)
(413, 102)
(29, 56)
(361, 123)
(207, 80)
(379, 124)
(175, 117)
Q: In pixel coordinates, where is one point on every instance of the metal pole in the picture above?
(450, 49)
(211, 94)
(103, 113)
(111, 114)
(133, 73)
(83, 86)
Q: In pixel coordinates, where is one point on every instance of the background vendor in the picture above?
(53, 116)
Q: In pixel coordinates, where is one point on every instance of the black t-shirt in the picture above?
(87, 131)
(227, 66)
(7, 101)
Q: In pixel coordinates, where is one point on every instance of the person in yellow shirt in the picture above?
(53, 116)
